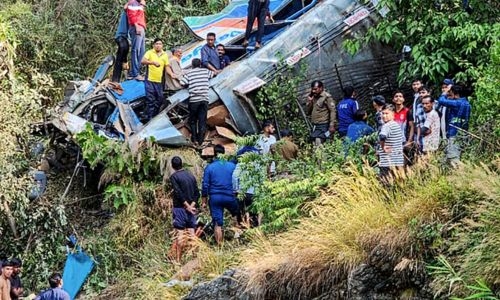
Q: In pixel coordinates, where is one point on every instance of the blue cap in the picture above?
(448, 81)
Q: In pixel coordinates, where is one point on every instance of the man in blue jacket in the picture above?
(218, 187)
(55, 292)
(457, 119)
(346, 109)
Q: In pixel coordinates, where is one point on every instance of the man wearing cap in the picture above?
(7, 269)
(321, 108)
(16, 288)
(445, 88)
(457, 120)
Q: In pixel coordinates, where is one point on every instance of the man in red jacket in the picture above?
(137, 31)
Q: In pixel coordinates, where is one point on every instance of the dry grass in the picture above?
(350, 223)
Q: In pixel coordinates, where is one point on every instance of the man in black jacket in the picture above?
(185, 197)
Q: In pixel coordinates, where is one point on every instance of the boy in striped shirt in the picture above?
(391, 143)
(196, 81)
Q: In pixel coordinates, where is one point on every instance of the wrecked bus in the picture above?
(310, 31)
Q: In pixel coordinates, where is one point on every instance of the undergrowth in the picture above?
(356, 215)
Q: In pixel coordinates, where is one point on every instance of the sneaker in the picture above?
(139, 78)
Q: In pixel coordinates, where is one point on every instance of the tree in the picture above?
(446, 37)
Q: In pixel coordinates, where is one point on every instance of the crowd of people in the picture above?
(11, 287)
(164, 71)
(401, 134)
(402, 131)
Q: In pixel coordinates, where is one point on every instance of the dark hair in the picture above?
(157, 40)
(16, 262)
(220, 45)
(176, 163)
(458, 89)
(348, 91)
(267, 123)
(359, 115)
(55, 280)
(416, 79)
(424, 88)
(389, 106)
(379, 100)
(316, 83)
(219, 149)
(211, 34)
(398, 92)
(175, 49)
(286, 132)
(429, 97)
(7, 263)
(196, 63)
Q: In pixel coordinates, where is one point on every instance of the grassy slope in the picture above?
(414, 222)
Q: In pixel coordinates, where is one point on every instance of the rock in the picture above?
(225, 287)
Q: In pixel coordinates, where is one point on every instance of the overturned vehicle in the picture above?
(310, 31)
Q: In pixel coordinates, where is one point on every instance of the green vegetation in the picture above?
(324, 217)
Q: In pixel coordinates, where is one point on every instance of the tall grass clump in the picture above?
(355, 220)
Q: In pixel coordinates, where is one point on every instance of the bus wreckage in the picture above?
(310, 31)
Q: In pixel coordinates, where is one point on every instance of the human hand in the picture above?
(332, 129)
(387, 149)
(156, 64)
(191, 209)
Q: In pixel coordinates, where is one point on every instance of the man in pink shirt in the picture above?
(137, 31)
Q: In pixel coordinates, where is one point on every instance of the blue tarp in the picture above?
(132, 90)
(76, 270)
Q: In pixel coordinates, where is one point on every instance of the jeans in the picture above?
(453, 151)
(198, 120)
(154, 98)
(256, 10)
(138, 50)
(121, 57)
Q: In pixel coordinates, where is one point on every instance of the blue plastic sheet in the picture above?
(132, 90)
(77, 269)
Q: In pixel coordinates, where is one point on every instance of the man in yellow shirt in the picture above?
(157, 61)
